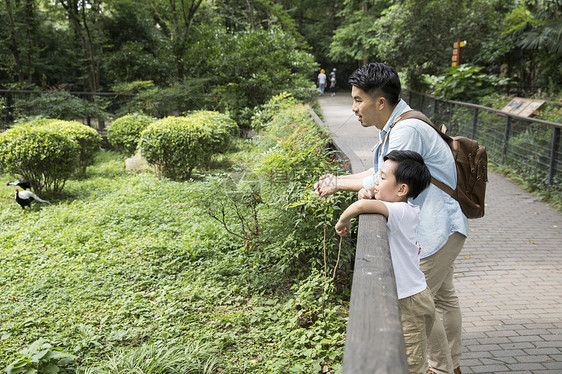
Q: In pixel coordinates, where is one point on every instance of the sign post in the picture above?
(456, 59)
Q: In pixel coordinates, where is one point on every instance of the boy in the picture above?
(403, 175)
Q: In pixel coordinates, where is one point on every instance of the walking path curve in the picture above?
(508, 275)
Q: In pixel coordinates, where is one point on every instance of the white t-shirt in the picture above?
(321, 78)
(403, 219)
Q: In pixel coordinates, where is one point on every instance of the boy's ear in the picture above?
(403, 189)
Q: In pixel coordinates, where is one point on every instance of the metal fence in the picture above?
(529, 146)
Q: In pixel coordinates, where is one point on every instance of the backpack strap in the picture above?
(422, 117)
(440, 130)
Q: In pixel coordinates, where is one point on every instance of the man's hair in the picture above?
(411, 170)
(378, 79)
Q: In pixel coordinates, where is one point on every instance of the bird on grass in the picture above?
(24, 198)
(20, 183)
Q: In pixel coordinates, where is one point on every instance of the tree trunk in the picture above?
(13, 42)
(89, 34)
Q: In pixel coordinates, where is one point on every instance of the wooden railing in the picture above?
(374, 341)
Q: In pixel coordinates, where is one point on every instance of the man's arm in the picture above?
(359, 207)
(329, 184)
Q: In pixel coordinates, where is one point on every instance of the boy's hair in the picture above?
(411, 170)
(378, 79)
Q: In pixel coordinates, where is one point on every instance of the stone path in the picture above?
(508, 275)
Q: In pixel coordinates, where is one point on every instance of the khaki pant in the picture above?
(417, 313)
(444, 344)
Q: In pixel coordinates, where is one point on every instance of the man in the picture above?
(443, 227)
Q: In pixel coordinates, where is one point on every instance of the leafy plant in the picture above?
(467, 83)
(176, 145)
(42, 156)
(86, 138)
(43, 357)
(124, 132)
(60, 105)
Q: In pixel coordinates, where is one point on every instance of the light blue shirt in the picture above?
(440, 214)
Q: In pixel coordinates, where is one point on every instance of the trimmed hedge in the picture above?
(124, 133)
(177, 145)
(87, 138)
(40, 155)
(219, 130)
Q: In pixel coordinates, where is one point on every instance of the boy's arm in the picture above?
(359, 207)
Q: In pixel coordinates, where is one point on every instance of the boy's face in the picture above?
(386, 187)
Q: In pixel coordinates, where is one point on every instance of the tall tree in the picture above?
(538, 38)
(85, 19)
(21, 38)
(175, 18)
(355, 38)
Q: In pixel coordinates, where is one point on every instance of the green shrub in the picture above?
(87, 139)
(176, 145)
(220, 128)
(40, 155)
(124, 132)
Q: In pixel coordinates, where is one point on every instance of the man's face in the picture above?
(369, 110)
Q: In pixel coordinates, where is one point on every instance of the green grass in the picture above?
(124, 268)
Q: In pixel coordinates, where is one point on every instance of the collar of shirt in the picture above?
(400, 108)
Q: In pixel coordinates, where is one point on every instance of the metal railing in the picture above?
(529, 145)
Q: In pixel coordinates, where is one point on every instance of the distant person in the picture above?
(322, 81)
(333, 82)
(403, 175)
(443, 227)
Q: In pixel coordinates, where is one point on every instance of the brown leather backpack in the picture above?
(471, 161)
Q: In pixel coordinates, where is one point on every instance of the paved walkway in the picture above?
(508, 275)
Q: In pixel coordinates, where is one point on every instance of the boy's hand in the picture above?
(343, 228)
(365, 193)
(326, 185)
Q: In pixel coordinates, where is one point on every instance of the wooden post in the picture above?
(374, 341)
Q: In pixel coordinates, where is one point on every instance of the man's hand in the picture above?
(326, 185)
(343, 227)
(366, 193)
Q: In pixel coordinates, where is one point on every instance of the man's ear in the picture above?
(403, 189)
(381, 102)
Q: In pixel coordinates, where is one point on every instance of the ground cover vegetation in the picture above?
(236, 269)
